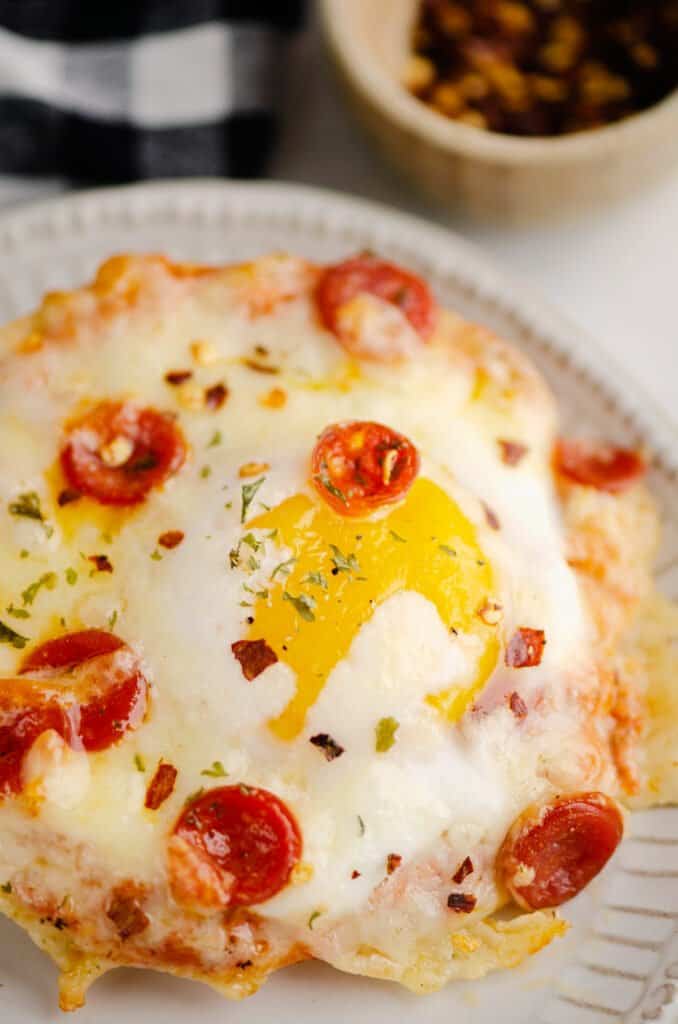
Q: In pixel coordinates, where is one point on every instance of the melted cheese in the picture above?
(377, 647)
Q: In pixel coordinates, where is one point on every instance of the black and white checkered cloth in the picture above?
(99, 91)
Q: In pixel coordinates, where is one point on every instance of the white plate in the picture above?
(620, 961)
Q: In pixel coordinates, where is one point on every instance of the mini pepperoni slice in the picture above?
(118, 452)
(110, 694)
(113, 709)
(19, 729)
(85, 686)
(70, 650)
(360, 466)
(603, 466)
(552, 852)
(365, 274)
(248, 835)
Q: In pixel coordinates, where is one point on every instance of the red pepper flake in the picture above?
(525, 648)
(171, 539)
(330, 747)
(491, 517)
(126, 914)
(68, 496)
(461, 902)
(258, 367)
(393, 861)
(177, 377)
(161, 786)
(518, 705)
(254, 656)
(101, 563)
(273, 399)
(355, 874)
(463, 871)
(512, 452)
(216, 395)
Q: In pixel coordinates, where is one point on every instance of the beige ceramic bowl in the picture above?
(485, 173)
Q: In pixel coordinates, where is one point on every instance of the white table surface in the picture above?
(614, 272)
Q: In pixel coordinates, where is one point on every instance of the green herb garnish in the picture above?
(205, 472)
(344, 563)
(331, 488)
(304, 604)
(71, 577)
(248, 493)
(396, 536)
(48, 580)
(385, 734)
(317, 579)
(112, 618)
(217, 771)
(285, 568)
(448, 550)
(10, 636)
(215, 440)
(28, 506)
(139, 763)
(18, 613)
(312, 918)
(156, 556)
(361, 826)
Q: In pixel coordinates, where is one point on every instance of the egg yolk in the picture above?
(340, 570)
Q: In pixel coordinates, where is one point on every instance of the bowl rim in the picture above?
(394, 101)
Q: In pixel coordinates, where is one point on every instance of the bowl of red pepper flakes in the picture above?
(515, 109)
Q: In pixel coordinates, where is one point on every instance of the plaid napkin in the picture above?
(98, 91)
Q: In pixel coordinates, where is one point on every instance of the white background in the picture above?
(614, 272)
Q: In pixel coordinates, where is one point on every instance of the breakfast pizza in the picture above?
(317, 640)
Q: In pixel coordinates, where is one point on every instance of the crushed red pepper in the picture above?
(161, 786)
(512, 452)
(101, 563)
(177, 377)
(126, 913)
(463, 871)
(461, 902)
(216, 395)
(525, 648)
(393, 861)
(491, 517)
(538, 68)
(329, 747)
(518, 705)
(170, 539)
(254, 656)
(259, 367)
